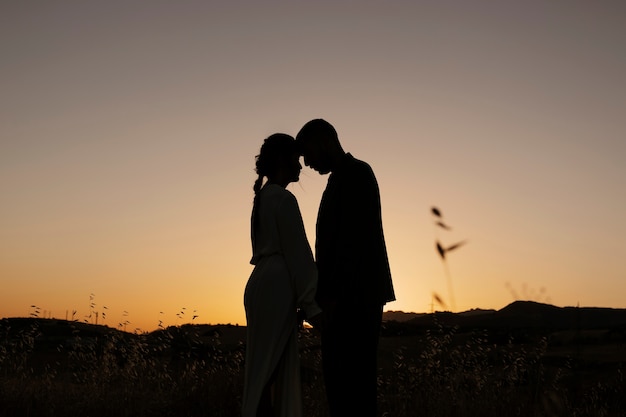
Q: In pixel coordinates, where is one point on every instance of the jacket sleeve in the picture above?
(364, 265)
(298, 255)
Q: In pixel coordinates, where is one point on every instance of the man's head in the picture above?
(319, 144)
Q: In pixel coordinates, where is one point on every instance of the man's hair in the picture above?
(317, 128)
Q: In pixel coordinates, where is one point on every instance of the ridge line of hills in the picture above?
(519, 314)
(521, 320)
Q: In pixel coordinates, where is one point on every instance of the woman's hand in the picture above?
(316, 321)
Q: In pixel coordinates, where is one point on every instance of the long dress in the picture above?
(284, 279)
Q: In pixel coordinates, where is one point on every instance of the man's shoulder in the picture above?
(358, 166)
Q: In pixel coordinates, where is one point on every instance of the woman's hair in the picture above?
(275, 152)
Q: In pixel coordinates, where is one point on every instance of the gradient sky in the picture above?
(128, 131)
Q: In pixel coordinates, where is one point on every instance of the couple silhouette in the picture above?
(341, 290)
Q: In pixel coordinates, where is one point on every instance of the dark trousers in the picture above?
(349, 350)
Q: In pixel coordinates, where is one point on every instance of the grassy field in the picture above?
(51, 368)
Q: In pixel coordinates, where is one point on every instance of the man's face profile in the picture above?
(314, 156)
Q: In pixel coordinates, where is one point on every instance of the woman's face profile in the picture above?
(294, 167)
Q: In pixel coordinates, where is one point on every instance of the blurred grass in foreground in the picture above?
(197, 370)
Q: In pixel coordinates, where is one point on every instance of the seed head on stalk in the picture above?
(442, 251)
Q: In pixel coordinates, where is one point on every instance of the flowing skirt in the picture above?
(272, 339)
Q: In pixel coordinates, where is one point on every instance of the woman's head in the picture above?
(278, 160)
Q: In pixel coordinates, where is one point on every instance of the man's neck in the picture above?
(337, 160)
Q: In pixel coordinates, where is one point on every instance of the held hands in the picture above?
(316, 321)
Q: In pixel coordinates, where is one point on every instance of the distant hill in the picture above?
(51, 332)
(400, 316)
(529, 314)
(544, 315)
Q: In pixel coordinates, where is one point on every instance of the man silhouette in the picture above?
(354, 280)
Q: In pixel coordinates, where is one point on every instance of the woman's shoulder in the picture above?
(281, 200)
(274, 189)
(276, 192)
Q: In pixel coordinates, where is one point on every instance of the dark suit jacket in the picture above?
(350, 248)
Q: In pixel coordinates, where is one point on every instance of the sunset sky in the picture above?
(128, 131)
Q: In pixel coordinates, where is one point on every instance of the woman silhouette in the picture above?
(284, 280)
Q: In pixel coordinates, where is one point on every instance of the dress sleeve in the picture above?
(298, 255)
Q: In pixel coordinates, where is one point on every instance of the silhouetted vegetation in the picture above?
(442, 251)
(528, 359)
